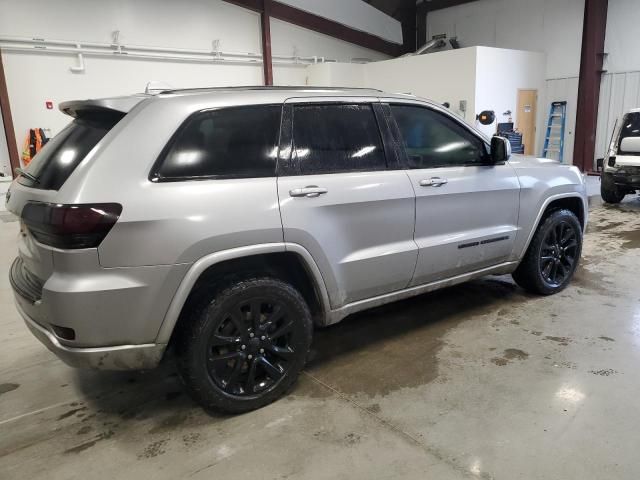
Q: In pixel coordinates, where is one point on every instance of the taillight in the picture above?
(70, 226)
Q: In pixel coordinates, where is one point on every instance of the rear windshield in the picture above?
(64, 152)
(630, 128)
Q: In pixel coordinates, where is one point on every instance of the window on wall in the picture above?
(225, 143)
(336, 138)
(431, 139)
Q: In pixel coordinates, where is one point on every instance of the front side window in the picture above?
(238, 142)
(336, 138)
(431, 139)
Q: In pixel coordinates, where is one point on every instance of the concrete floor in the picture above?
(480, 380)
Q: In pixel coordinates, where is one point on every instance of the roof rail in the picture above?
(262, 87)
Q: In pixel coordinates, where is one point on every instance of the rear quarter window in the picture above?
(57, 160)
(234, 142)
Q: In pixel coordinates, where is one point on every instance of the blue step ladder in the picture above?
(554, 138)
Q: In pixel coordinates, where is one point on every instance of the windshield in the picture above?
(64, 152)
(630, 128)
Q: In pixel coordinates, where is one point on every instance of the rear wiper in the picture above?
(33, 178)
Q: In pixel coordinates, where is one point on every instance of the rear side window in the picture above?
(336, 138)
(238, 142)
(64, 152)
(630, 128)
(431, 139)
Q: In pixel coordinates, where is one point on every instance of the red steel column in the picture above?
(591, 59)
(267, 64)
(9, 132)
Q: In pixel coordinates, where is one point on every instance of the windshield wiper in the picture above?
(33, 178)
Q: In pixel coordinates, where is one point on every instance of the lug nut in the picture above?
(250, 357)
(243, 347)
(262, 350)
(263, 337)
(251, 335)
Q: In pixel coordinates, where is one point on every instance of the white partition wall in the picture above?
(483, 78)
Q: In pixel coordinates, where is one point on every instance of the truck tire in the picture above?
(553, 255)
(609, 190)
(244, 345)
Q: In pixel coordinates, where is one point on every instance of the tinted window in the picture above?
(630, 128)
(230, 142)
(434, 140)
(336, 138)
(62, 154)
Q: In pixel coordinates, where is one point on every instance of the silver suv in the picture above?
(227, 223)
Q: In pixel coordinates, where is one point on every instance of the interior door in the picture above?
(466, 209)
(343, 198)
(526, 119)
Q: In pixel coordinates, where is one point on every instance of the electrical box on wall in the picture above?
(49, 104)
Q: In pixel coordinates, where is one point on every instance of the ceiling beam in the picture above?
(322, 25)
(431, 5)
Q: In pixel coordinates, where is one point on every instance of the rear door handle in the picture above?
(310, 191)
(433, 182)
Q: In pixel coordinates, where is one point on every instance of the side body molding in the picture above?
(192, 275)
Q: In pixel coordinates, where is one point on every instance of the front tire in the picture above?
(552, 256)
(244, 345)
(609, 190)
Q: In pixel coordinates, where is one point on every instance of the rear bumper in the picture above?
(121, 357)
(628, 178)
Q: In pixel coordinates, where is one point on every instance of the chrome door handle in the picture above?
(433, 182)
(310, 191)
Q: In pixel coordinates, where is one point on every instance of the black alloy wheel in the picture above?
(251, 349)
(244, 343)
(558, 253)
(553, 254)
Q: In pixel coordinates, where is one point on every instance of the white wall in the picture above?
(34, 78)
(553, 27)
(442, 77)
(356, 14)
(550, 26)
(476, 75)
(498, 91)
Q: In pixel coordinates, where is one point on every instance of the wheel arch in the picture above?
(289, 262)
(571, 201)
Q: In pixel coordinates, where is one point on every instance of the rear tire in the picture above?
(609, 190)
(552, 256)
(244, 345)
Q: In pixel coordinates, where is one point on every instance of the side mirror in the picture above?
(500, 149)
(630, 145)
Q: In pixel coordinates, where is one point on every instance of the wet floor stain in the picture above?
(86, 445)
(607, 339)
(509, 355)
(8, 387)
(606, 372)
(154, 449)
(396, 346)
(564, 341)
(71, 412)
(631, 238)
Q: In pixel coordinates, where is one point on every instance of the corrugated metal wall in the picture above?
(618, 93)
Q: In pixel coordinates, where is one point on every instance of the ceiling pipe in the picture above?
(111, 50)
